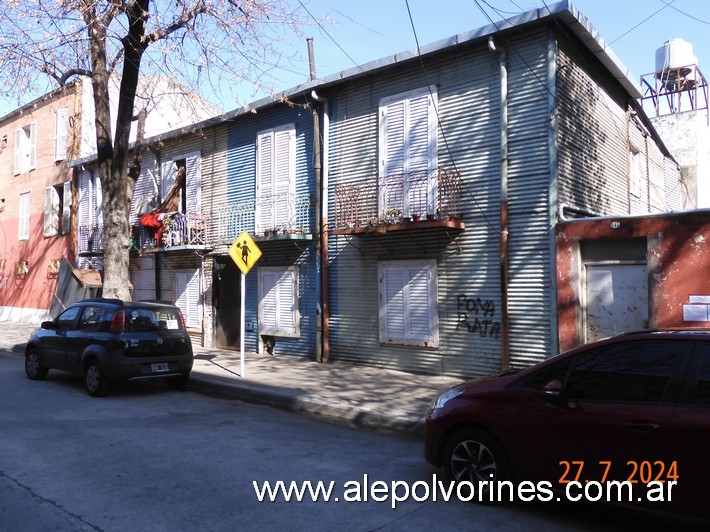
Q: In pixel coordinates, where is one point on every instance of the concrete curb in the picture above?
(311, 406)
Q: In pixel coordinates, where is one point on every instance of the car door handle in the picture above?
(642, 426)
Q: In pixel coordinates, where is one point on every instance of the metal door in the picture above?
(616, 299)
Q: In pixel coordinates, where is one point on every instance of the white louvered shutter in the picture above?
(61, 122)
(269, 301)
(85, 200)
(51, 211)
(278, 302)
(33, 147)
(193, 182)
(283, 165)
(394, 287)
(187, 293)
(168, 178)
(264, 186)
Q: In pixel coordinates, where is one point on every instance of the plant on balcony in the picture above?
(416, 217)
(392, 215)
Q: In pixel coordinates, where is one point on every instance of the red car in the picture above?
(634, 409)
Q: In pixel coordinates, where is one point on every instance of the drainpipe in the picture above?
(317, 173)
(505, 335)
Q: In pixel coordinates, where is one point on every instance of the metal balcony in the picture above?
(263, 216)
(394, 199)
(176, 230)
(91, 240)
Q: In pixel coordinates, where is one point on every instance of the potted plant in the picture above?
(416, 217)
(392, 215)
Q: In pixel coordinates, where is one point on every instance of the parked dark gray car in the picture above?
(109, 340)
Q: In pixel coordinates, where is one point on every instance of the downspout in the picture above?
(159, 165)
(317, 174)
(325, 275)
(505, 333)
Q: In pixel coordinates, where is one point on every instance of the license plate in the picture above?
(157, 368)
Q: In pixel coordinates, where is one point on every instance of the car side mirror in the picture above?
(48, 325)
(552, 389)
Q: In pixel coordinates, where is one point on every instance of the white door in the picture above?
(617, 299)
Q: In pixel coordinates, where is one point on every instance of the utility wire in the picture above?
(438, 117)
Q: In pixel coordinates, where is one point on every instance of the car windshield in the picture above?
(146, 319)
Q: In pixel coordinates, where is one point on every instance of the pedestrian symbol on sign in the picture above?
(244, 252)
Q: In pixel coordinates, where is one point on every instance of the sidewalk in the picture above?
(341, 392)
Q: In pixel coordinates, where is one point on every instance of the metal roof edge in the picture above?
(563, 10)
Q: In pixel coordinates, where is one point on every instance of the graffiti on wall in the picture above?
(477, 316)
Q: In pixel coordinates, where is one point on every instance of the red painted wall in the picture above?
(678, 264)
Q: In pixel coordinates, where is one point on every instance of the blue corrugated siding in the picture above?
(241, 174)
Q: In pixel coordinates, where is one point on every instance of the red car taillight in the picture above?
(118, 322)
(182, 319)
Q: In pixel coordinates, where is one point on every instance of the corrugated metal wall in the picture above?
(240, 186)
(468, 267)
(530, 265)
(142, 272)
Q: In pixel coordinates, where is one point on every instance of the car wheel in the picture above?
(474, 456)
(96, 383)
(179, 381)
(33, 368)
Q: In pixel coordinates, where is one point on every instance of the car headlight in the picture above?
(445, 397)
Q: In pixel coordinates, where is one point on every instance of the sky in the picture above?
(347, 33)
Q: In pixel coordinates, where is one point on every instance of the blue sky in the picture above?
(358, 31)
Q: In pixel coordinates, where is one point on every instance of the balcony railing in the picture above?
(91, 239)
(173, 230)
(398, 197)
(260, 216)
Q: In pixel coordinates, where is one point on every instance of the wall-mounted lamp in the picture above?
(615, 225)
(22, 268)
(491, 44)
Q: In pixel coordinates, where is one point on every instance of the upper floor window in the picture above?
(637, 172)
(181, 187)
(61, 124)
(275, 178)
(24, 219)
(408, 151)
(25, 148)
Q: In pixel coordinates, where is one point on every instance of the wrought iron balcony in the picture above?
(398, 199)
(91, 240)
(173, 230)
(263, 216)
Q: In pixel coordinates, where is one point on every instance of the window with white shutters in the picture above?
(187, 294)
(408, 152)
(61, 123)
(25, 149)
(191, 189)
(24, 219)
(278, 302)
(52, 208)
(408, 303)
(275, 178)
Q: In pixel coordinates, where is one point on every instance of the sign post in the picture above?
(244, 252)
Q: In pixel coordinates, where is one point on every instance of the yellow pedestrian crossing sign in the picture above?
(244, 252)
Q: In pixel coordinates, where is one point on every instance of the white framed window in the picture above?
(52, 208)
(275, 178)
(278, 302)
(61, 125)
(190, 191)
(25, 148)
(24, 219)
(408, 303)
(187, 296)
(89, 200)
(408, 152)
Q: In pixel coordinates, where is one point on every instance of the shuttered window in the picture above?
(187, 293)
(278, 302)
(24, 219)
(408, 303)
(191, 193)
(275, 178)
(52, 206)
(25, 149)
(61, 124)
(408, 152)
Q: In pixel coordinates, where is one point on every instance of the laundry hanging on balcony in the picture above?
(153, 220)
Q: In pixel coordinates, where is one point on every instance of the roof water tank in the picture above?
(674, 54)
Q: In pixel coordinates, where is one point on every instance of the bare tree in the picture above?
(196, 42)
